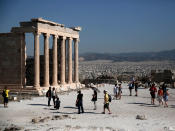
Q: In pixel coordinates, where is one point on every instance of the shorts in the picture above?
(153, 95)
(136, 88)
(106, 105)
(165, 98)
(6, 100)
(160, 98)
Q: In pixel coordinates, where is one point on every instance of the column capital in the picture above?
(77, 40)
(37, 33)
(63, 37)
(46, 34)
(70, 38)
(55, 36)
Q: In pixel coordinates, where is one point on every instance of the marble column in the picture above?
(55, 63)
(70, 60)
(76, 77)
(63, 60)
(46, 60)
(36, 60)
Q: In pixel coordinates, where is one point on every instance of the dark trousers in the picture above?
(53, 97)
(80, 106)
(49, 99)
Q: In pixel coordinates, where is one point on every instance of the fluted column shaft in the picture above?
(76, 76)
(55, 71)
(70, 60)
(63, 60)
(36, 60)
(46, 60)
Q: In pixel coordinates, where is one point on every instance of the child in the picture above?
(165, 97)
(160, 96)
(57, 103)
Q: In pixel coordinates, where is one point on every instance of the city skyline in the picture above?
(107, 27)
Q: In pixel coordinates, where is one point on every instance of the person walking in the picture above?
(136, 88)
(94, 99)
(165, 98)
(153, 91)
(164, 88)
(120, 91)
(130, 88)
(160, 96)
(49, 95)
(106, 102)
(115, 91)
(5, 95)
(54, 95)
(79, 102)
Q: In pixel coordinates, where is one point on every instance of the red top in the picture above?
(160, 92)
(153, 89)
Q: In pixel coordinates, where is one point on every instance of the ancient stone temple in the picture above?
(62, 73)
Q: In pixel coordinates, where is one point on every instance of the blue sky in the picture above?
(112, 26)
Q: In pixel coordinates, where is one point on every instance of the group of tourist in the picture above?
(133, 84)
(52, 94)
(117, 91)
(162, 94)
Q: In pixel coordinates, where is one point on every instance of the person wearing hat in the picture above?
(106, 102)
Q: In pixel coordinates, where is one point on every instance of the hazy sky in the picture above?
(111, 26)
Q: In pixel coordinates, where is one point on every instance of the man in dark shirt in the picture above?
(79, 102)
(49, 95)
(94, 99)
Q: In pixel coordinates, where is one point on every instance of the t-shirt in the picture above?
(106, 98)
(80, 97)
(153, 89)
(54, 93)
(115, 89)
(95, 96)
(160, 92)
(7, 93)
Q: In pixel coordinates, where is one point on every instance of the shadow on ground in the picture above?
(38, 104)
(58, 112)
(144, 104)
(70, 107)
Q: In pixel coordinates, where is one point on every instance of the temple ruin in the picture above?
(13, 56)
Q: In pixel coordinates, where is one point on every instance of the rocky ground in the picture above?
(128, 114)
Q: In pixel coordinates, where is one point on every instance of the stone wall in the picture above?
(12, 59)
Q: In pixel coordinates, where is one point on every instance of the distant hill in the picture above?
(134, 56)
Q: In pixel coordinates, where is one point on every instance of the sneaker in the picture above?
(103, 112)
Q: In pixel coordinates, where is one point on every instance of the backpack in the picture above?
(110, 98)
(47, 94)
(3, 94)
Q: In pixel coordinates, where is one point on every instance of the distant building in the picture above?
(162, 76)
